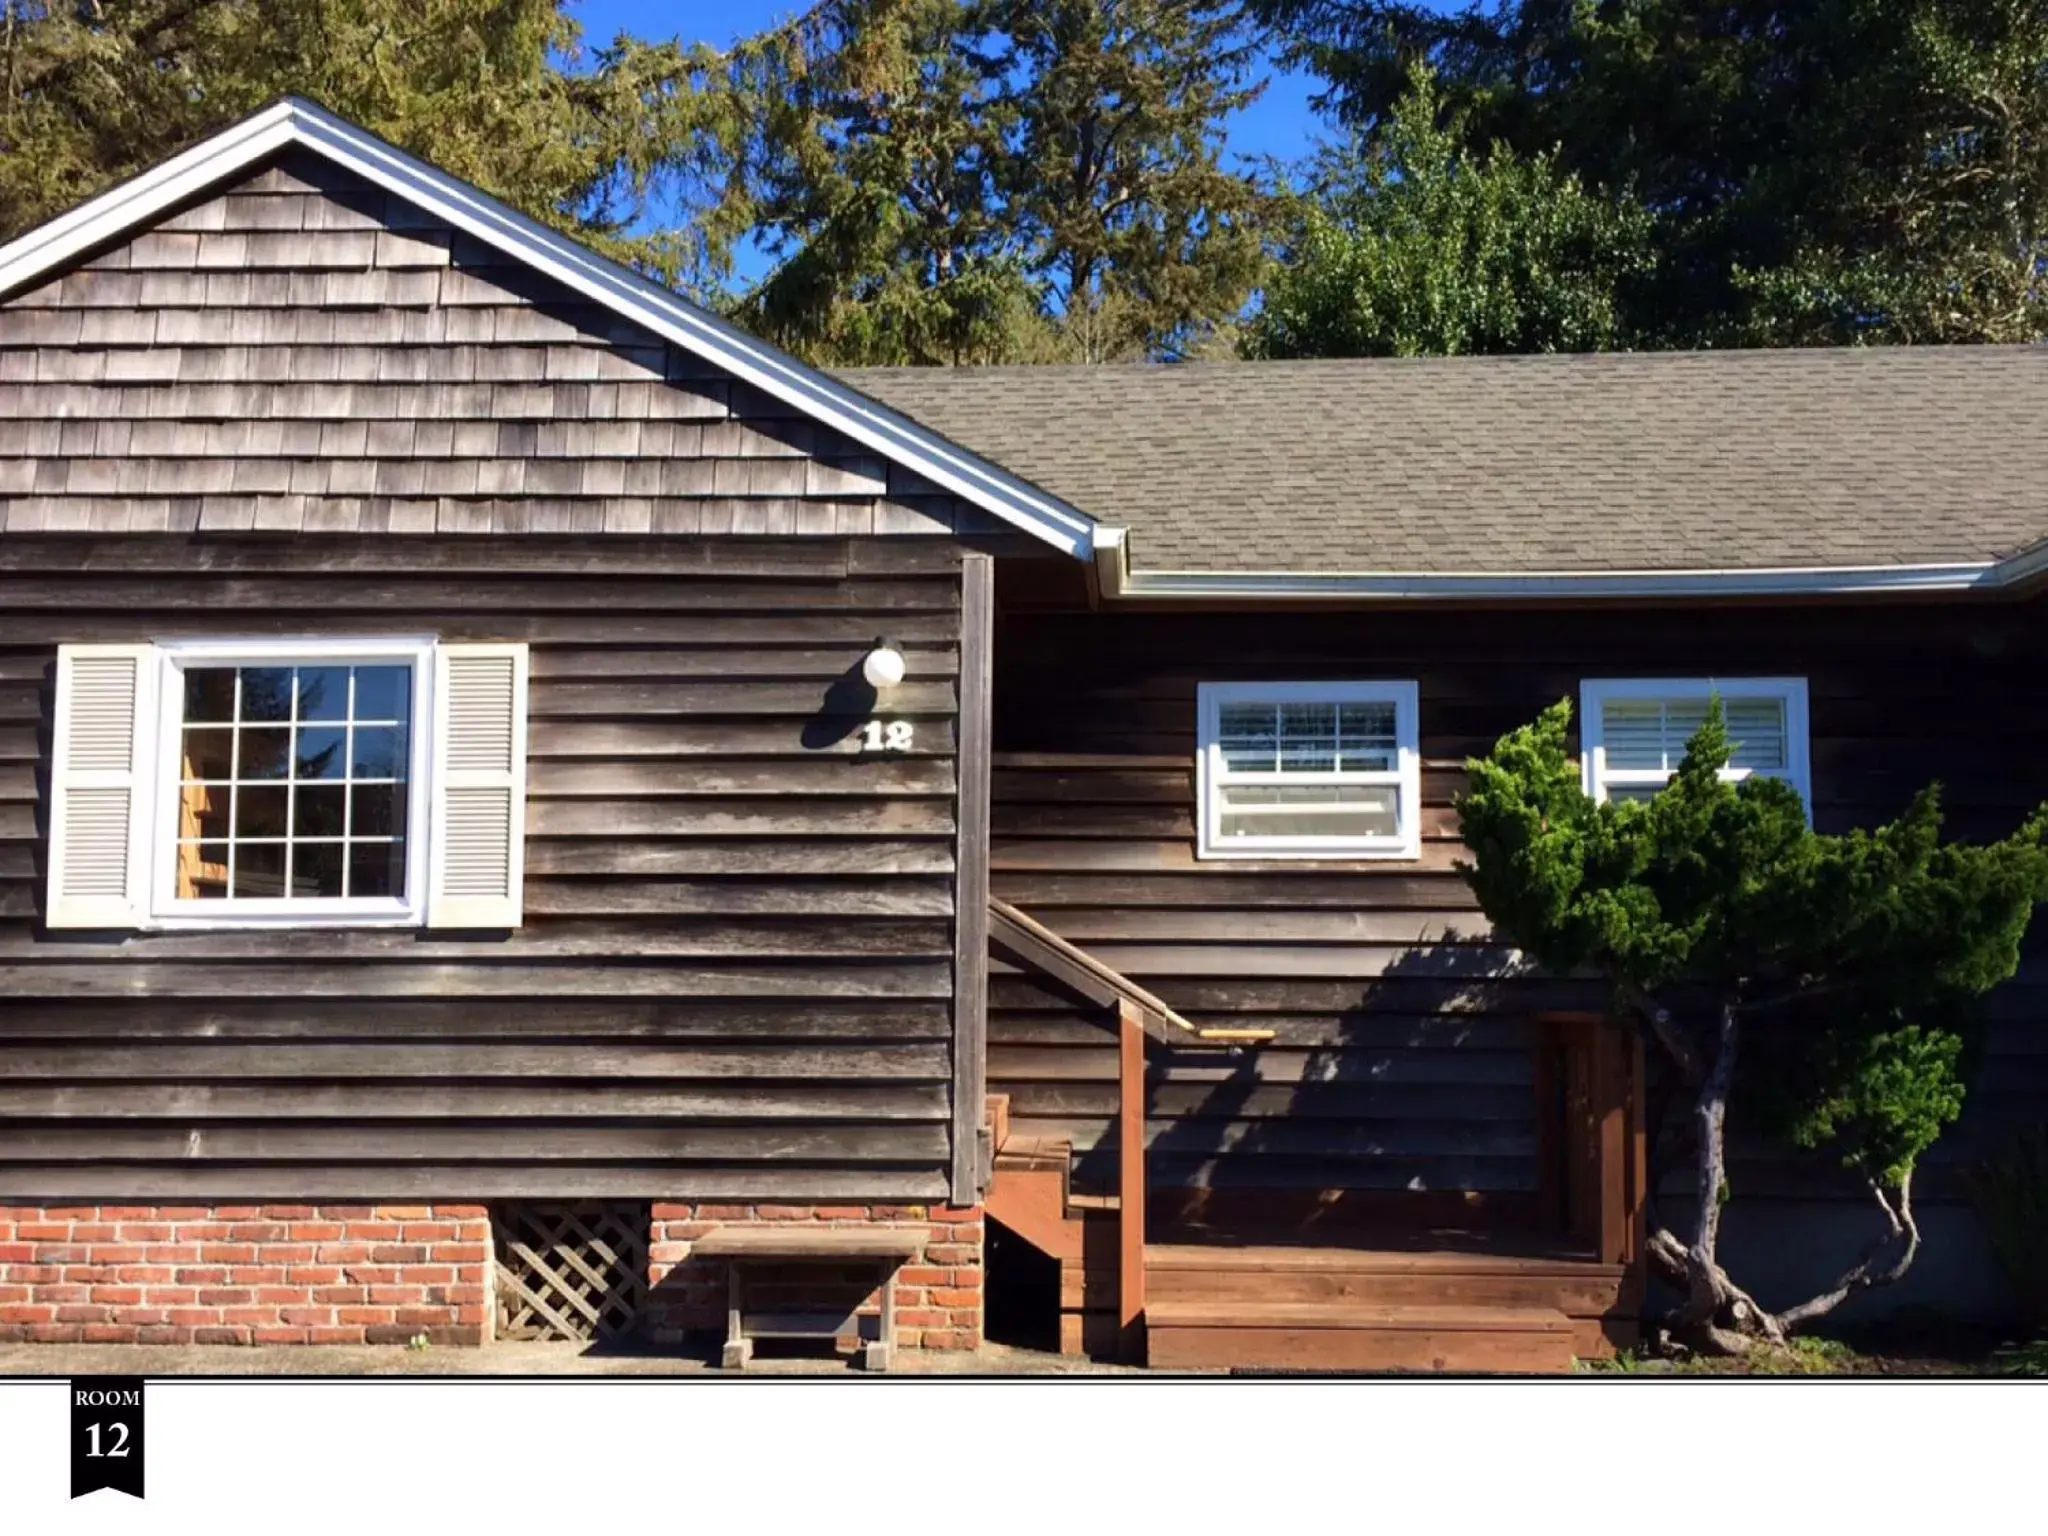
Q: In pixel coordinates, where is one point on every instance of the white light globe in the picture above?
(883, 668)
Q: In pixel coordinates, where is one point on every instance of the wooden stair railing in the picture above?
(1138, 1015)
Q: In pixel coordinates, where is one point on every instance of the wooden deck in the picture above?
(1467, 1307)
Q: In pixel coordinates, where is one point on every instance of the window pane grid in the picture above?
(313, 804)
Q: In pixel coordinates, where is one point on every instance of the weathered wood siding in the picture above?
(1403, 1058)
(298, 408)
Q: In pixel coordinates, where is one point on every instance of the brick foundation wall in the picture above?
(251, 1274)
(938, 1293)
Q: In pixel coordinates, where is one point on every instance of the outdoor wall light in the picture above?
(883, 667)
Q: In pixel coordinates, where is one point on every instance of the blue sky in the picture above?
(1279, 123)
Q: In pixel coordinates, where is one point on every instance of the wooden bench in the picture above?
(743, 1247)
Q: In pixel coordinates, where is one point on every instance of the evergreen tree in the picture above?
(877, 131)
(1410, 244)
(1142, 242)
(498, 92)
(1825, 172)
(1841, 968)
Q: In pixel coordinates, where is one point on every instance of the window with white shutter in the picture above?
(288, 784)
(1309, 771)
(1633, 731)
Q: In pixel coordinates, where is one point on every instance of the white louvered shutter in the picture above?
(99, 785)
(478, 809)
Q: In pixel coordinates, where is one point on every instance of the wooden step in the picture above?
(1293, 1335)
(1389, 1279)
(998, 1114)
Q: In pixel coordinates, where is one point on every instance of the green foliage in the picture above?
(1852, 951)
(1828, 172)
(2010, 1191)
(1411, 243)
(498, 92)
(973, 181)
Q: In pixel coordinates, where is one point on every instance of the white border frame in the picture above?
(166, 911)
(1596, 692)
(1407, 774)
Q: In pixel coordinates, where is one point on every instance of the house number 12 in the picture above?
(886, 736)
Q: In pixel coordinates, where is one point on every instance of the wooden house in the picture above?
(526, 812)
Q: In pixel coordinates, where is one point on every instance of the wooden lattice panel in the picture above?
(575, 1272)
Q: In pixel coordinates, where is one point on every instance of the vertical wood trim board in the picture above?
(970, 906)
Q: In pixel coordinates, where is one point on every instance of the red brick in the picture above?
(181, 1212)
(316, 1274)
(43, 1231)
(145, 1274)
(340, 1295)
(220, 1335)
(430, 1232)
(279, 1295)
(193, 1317)
(160, 1333)
(334, 1336)
(145, 1232)
(899, 1212)
(72, 1212)
(455, 1294)
(171, 1253)
(912, 1274)
(94, 1232)
(226, 1296)
(397, 1295)
(54, 1333)
(118, 1295)
(405, 1212)
(918, 1318)
(463, 1253)
(347, 1212)
(111, 1333)
(205, 1275)
(29, 1314)
(425, 1317)
(130, 1213)
(13, 1293)
(782, 1213)
(343, 1253)
(281, 1336)
(942, 1338)
(842, 1212)
(317, 1231)
(462, 1212)
(17, 1253)
(171, 1295)
(64, 1253)
(289, 1212)
(227, 1253)
(118, 1253)
(399, 1253)
(257, 1274)
(254, 1317)
(366, 1315)
(310, 1316)
(374, 1231)
(236, 1212)
(952, 1253)
(65, 1293)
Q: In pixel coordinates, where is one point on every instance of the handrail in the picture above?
(1039, 946)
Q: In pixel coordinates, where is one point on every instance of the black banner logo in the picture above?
(106, 1434)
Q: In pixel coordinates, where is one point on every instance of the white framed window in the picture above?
(1309, 771)
(1633, 731)
(359, 782)
(291, 779)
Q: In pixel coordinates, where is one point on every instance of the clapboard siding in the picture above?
(1402, 1053)
(736, 970)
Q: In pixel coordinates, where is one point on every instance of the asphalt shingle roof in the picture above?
(1636, 462)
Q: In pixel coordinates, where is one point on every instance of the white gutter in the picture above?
(1120, 583)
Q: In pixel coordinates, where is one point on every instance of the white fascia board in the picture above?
(294, 122)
